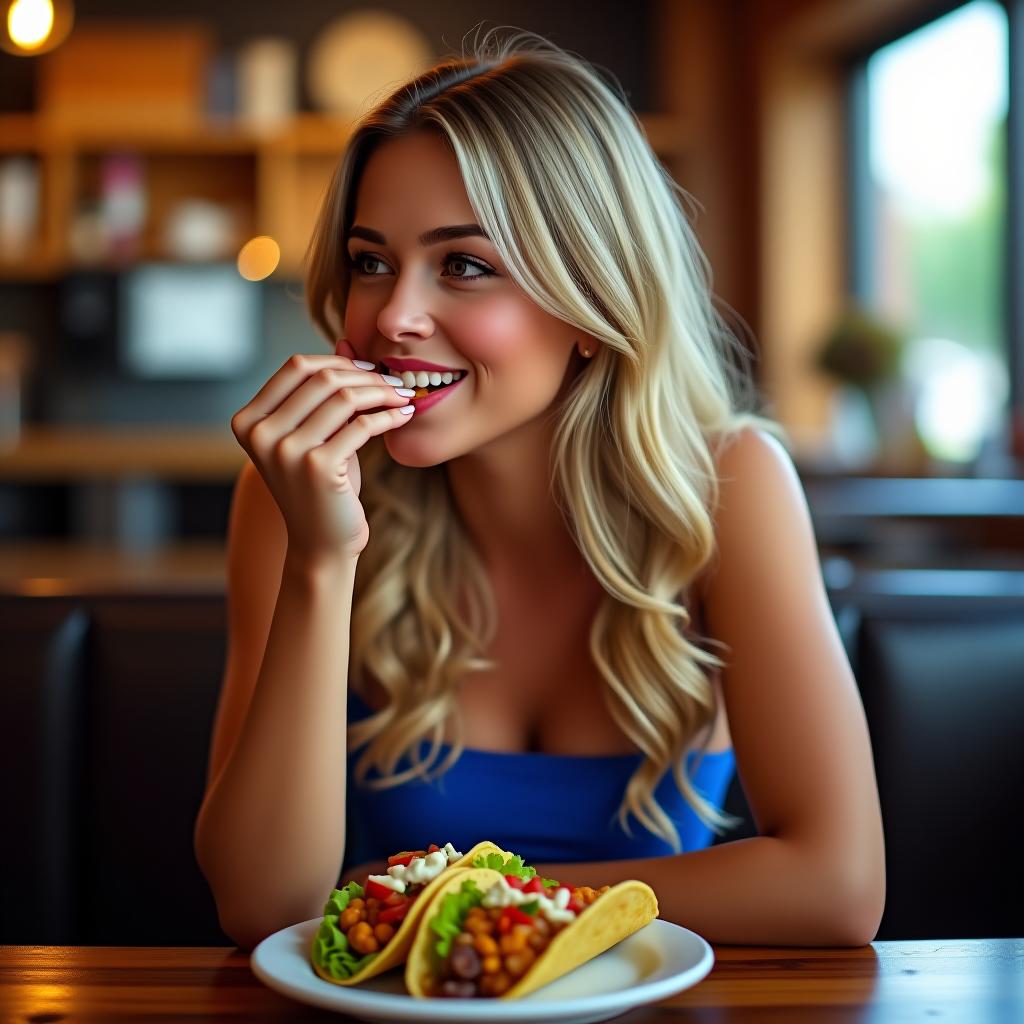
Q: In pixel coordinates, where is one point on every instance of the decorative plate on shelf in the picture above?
(358, 57)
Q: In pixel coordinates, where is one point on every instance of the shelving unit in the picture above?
(274, 179)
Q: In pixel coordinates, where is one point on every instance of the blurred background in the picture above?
(856, 176)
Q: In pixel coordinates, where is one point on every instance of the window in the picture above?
(930, 220)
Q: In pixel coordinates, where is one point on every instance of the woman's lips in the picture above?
(430, 400)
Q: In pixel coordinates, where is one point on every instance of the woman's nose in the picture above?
(405, 314)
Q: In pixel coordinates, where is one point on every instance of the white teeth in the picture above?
(422, 378)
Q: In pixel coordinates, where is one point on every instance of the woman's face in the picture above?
(449, 302)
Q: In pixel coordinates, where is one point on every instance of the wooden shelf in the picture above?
(277, 176)
(45, 569)
(73, 454)
(315, 134)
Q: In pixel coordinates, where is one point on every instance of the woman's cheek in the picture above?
(494, 335)
(360, 324)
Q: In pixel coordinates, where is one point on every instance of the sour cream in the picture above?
(501, 894)
(419, 870)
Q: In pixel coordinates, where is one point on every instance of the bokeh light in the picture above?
(259, 258)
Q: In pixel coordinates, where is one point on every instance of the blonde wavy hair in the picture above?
(591, 227)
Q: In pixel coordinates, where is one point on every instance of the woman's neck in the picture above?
(503, 495)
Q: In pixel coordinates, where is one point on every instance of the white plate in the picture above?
(654, 963)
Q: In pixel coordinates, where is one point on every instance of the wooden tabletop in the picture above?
(956, 981)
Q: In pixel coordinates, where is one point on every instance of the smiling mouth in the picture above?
(420, 379)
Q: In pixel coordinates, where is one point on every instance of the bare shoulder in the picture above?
(797, 723)
(752, 460)
(758, 487)
(765, 549)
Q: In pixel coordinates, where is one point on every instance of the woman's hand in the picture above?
(302, 431)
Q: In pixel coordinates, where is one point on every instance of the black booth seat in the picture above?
(107, 703)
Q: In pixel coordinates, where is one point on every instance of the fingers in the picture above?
(286, 382)
(340, 406)
(340, 448)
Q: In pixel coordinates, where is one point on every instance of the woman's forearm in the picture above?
(761, 891)
(270, 835)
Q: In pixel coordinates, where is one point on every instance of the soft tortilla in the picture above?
(616, 914)
(397, 949)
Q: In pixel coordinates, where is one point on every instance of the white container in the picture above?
(267, 79)
(19, 207)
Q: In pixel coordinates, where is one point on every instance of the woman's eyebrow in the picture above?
(432, 237)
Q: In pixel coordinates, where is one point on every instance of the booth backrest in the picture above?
(107, 704)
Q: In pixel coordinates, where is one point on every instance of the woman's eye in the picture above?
(364, 263)
(464, 269)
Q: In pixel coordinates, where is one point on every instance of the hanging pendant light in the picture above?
(31, 27)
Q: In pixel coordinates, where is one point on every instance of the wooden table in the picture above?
(955, 981)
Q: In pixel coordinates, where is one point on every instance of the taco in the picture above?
(367, 929)
(493, 934)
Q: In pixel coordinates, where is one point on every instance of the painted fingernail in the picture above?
(364, 365)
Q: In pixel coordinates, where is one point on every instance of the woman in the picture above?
(507, 593)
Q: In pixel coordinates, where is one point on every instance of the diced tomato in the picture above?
(515, 881)
(433, 848)
(374, 890)
(515, 916)
(392, 915)
(576, 905)
(534, 885)
(394, 899)
(405, 857)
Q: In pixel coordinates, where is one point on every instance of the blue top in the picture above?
(545, 807)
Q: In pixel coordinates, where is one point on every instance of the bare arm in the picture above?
(815, 875)
(270, 836)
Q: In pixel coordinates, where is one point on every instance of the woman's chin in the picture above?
(411, 452)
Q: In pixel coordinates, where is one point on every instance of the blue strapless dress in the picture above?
(545, 807)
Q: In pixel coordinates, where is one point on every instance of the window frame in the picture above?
(857, 185)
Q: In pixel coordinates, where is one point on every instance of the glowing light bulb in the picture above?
(259, 258)
(30, 22)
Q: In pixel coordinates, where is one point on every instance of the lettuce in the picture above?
(513, 866)
(331, 951)
(339, 898)
(447, 922)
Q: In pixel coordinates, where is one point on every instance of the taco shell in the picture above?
(615, 915)
(397, 949)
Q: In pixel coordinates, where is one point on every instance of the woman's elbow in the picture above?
(856, 907)
(246, 931)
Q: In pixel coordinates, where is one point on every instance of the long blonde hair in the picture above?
(591, 227)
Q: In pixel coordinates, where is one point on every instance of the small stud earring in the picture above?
(586, 351)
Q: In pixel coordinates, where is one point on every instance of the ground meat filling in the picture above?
(485, 961)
